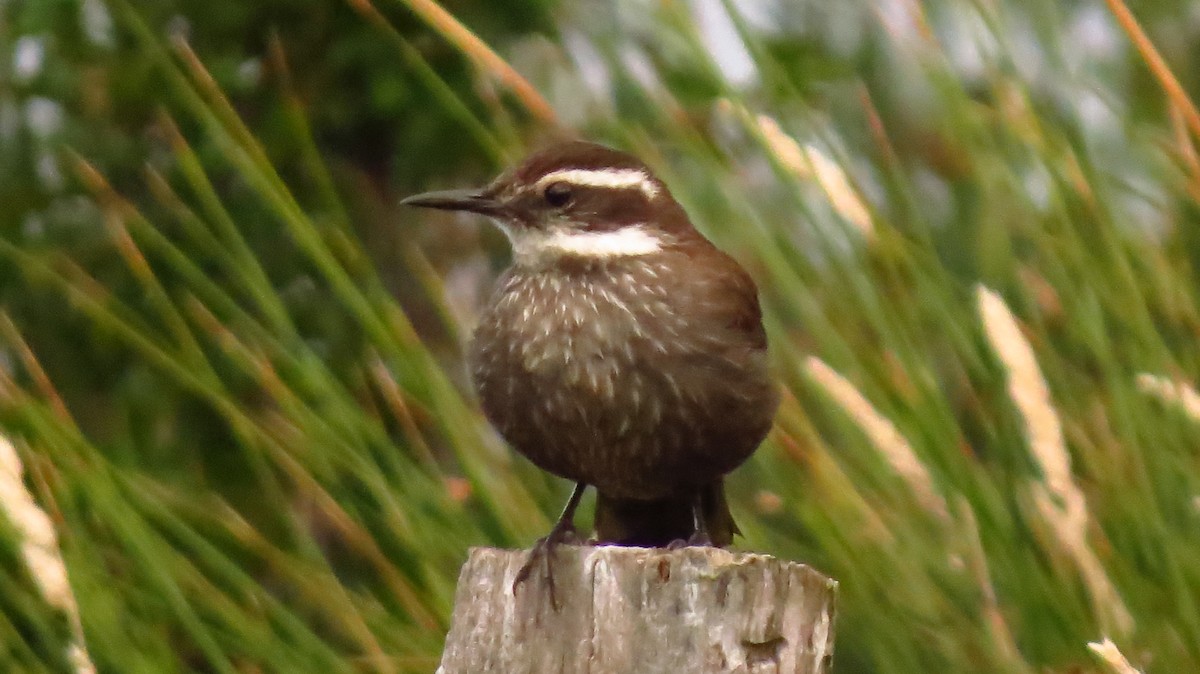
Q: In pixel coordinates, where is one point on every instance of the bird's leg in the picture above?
(699, 522)
(562, 531)
(700, 535)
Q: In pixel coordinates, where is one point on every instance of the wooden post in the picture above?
(641, 610)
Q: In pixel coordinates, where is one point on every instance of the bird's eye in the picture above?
(557, 194)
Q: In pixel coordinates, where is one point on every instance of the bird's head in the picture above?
(574, 199)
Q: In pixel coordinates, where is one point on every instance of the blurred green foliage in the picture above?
(233, 364)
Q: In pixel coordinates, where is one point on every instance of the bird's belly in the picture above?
(618, 399)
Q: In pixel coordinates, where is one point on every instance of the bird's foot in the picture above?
(698, 539)
(543, 551)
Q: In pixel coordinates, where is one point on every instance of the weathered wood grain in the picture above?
(626, 610)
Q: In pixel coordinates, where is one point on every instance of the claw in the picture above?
(562, 532)
(543, 552)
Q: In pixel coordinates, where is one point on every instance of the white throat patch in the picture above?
(632, 240)
(618, 178)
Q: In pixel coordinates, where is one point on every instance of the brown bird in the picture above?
(621, 349)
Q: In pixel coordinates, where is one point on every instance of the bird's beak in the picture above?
(474, 201)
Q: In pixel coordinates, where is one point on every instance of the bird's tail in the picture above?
(659, 522)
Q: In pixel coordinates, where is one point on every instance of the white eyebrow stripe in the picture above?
(606, 177)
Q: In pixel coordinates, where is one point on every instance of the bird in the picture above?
(621, 350)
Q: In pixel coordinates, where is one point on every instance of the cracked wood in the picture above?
(627, 610)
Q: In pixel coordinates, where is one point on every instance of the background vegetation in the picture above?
(231, 365)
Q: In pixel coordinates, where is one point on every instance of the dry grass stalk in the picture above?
(1106, 602)
(1110, 655)
(1029, 393)
(883, 434)
(1058, 498)
(832, 487)
(8, 329)
(39, 548)
(1172, 392)
(1185, 149)
(484, 57)
(1157, 65)
(807, 161)
(1001, 635)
